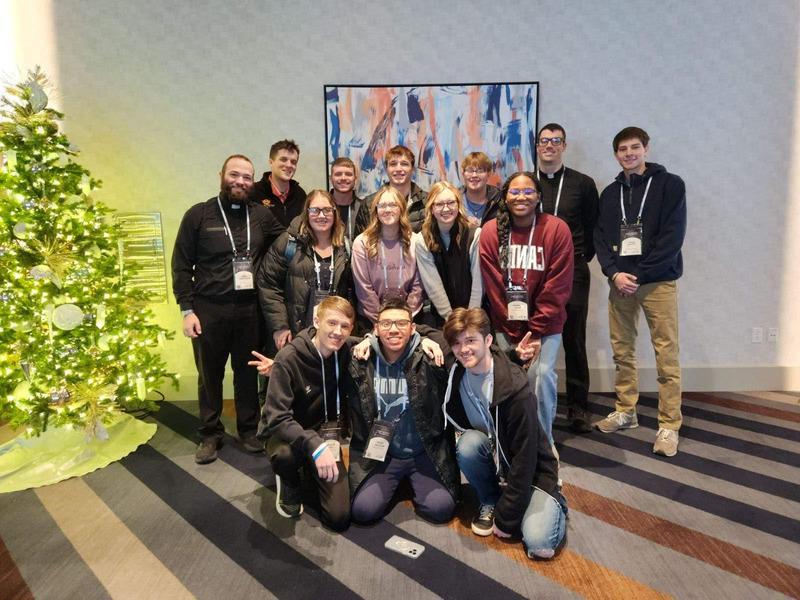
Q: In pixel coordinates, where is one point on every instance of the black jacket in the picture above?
(663, 225)
(528, 457)
(201, 259)
(493, 197)
(426, 387)
(354, 213)
(284, 213)
(416, 208)
(577, 206)
(294, 409)
(285, 289)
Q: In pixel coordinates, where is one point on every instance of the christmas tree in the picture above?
(76, 344)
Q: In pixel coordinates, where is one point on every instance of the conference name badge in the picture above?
(630, 240)
(242, 273)
(330, 432)
(517, 298)
(380, 436)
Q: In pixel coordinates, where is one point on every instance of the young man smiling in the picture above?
(638, 238)
(399, 163)
(343, 180)
(572, 197)
(501, 450)
(277, 189)
(305, 417)
(480, 198)
(398, 430)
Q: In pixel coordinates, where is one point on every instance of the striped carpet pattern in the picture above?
(719, 520)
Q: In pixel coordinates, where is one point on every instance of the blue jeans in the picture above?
(542, 376)
(544, 522)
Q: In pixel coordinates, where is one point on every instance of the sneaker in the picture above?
(617, 420)
(252, 444)
(288, 499)
(206, 451)
(483, 523)
(578, 420)
(666, 442)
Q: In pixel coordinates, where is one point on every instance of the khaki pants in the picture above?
(659, 301)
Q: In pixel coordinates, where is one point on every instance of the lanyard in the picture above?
(560, 185)
(378, 396)
(641, 206)
(476, 398)
(386, 273)
(317, 267)
(526, 257)
(325, 388)
(228, 227)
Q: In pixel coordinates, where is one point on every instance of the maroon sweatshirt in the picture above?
(550, 264)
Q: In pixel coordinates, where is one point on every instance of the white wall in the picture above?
(157, 93)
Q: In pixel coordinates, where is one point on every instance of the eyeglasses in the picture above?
(386, 324)
(315, 211)
(474, 171)
(449, 204)
(387, 206)
(519, 192)
(556, 141)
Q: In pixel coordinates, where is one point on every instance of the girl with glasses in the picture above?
(306, 264)
(383, 258)
(447, 254)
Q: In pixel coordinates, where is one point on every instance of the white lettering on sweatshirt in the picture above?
(523, 256)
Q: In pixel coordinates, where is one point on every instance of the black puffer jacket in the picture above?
(285, 290)
(426, 387)
(526, 456)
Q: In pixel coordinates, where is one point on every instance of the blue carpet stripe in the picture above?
(723, 419)
(717, 439)
(733, 510)
(706, 466)
(440, 573)
(258, 551)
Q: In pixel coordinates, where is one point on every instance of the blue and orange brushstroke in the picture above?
(439, 123)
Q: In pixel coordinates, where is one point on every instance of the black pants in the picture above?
(574, 338)
(230, 328)
(334, 498)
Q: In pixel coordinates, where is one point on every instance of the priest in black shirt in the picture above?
(218, 243)
(571, 196)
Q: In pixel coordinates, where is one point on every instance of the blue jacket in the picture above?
(663, 225)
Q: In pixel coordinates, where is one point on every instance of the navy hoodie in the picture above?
(663, 225)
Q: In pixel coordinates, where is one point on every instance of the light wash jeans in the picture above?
(543, 377)
(544, 521)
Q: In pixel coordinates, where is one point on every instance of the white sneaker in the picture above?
(617, 420)
(666, 442)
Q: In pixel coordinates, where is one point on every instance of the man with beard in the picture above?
(277, 189)
(399, 164)
(218, 243)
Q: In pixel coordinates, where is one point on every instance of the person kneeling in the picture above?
(503, 452)
(398, 429)
(302, 415)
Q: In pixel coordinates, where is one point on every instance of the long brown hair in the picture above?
(373, 231)
(337, 229)
(430, 226)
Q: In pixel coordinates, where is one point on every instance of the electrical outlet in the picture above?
(772, 335)
(758, 335)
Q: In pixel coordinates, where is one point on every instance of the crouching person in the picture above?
(502, 450)
(304, 414)
(398, 428)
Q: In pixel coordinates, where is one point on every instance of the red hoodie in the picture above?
(549, 276)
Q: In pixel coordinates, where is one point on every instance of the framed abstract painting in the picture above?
(440, 123)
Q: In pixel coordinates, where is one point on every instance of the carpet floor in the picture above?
(719, 520)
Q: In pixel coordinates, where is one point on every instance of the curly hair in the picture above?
(373, 231)
(430, 226)
(504, 218)
(337, 229)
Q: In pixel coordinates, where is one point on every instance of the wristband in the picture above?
(319, 450)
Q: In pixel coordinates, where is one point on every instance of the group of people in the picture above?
(425, 326)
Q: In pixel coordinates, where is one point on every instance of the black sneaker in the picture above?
(288, 499)
(578, 420)
(483, 523)
(252, 444)
(206, 451)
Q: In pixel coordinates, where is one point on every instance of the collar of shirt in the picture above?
(282, 196)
